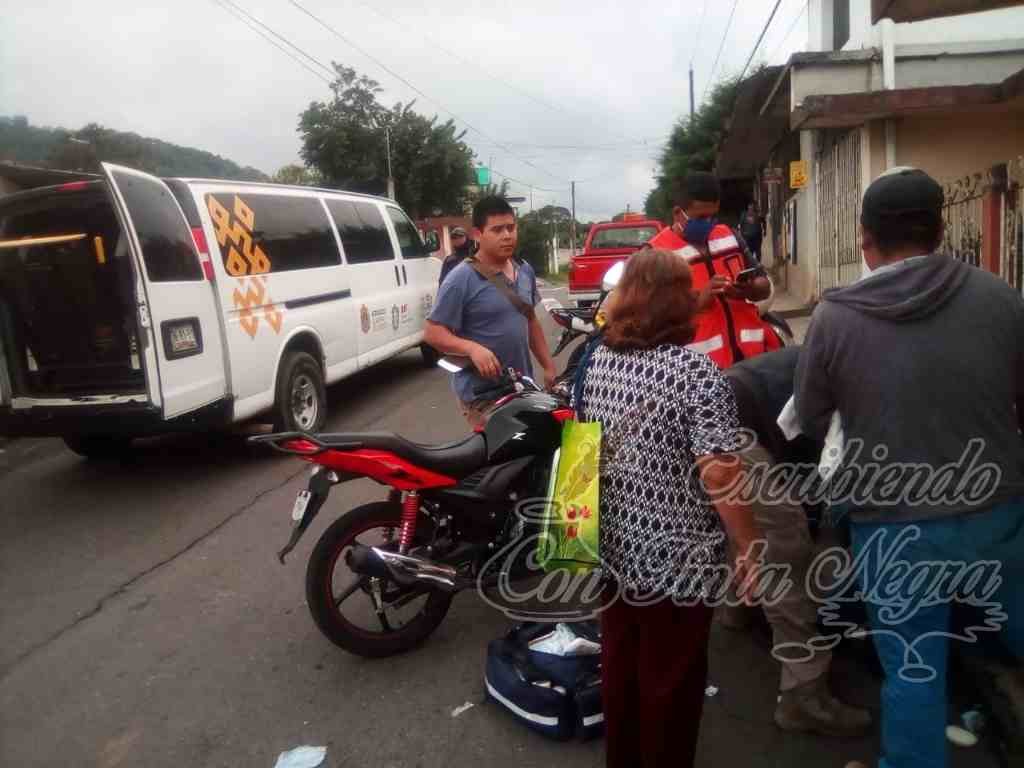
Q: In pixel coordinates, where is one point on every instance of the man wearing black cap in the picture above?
(923, 360)
(461, 250)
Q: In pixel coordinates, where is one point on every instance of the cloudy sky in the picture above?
(548, 91)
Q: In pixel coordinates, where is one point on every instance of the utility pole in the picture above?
(572, 224)
(391, 179)
(691, 90)
(531, 199)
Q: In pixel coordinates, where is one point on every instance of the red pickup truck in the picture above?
(607, 243)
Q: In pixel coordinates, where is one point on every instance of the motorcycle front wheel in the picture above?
(369, 617)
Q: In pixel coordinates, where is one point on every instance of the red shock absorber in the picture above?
(410, 508)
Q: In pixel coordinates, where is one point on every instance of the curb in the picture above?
(789, 314)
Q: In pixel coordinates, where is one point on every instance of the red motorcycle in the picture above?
(383, 575)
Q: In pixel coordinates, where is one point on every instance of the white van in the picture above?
(134, 305)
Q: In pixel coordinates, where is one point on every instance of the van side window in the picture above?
(363, 232)
(167, 248)
(271, 233)
(409, 239)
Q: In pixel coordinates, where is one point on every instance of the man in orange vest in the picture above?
(729, 326)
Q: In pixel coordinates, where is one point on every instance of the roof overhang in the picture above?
(751, 135)
(780, 90)
(841, 110)
(920, 10)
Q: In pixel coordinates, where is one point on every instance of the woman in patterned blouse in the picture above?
(667, 418)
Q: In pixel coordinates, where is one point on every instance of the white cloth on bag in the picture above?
(835, 440)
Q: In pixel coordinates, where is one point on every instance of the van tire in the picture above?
(300, 402)
(430, 355)
(99, 447)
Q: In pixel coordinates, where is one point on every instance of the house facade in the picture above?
(942, 94)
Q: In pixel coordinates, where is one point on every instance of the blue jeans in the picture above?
(909, 574)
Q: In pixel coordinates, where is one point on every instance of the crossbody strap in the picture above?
(497, 280)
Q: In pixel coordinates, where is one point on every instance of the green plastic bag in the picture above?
(569, 539)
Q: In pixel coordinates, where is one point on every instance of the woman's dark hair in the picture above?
(655, 303)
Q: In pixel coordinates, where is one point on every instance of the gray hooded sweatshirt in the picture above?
(925, 364)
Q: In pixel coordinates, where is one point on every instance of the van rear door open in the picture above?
(176, 305)
(6, 394)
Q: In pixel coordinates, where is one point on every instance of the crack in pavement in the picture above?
(375, 416)
(123, 588)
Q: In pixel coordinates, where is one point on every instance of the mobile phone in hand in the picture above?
(749, 274)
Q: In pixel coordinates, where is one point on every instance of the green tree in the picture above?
(297, 175)
(344, 139)
(85, 148)
(534, 243)
(692, 146)
(492, 189)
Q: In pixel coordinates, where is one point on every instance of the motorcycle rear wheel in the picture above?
(323, 602)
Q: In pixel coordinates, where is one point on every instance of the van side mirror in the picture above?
(431, 243)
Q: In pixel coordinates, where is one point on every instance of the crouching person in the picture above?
(762, 385)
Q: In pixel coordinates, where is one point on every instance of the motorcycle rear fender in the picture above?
(320, 484)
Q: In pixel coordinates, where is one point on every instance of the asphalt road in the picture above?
(146, 622)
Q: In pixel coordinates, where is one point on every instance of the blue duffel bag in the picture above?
(555, 695)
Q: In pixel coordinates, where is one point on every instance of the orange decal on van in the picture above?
(243, 256)
(254, 298)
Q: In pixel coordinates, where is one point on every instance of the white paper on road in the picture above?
(301, 757)
(711, 691)
(459, 710)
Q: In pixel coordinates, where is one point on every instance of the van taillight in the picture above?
(72, 186)
(204, 252)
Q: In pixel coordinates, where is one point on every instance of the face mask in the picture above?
(698, 230)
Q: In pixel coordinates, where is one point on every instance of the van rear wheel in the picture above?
(300, 404)
(99, 446)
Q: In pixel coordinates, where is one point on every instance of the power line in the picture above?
(721, 47)
(329, 70)
(270, 40)
(760, 38)
(477, 66)
(526, 183)
(789, 31)
(413, 88)
(639, 144)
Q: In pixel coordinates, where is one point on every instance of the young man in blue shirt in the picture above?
(475, 318)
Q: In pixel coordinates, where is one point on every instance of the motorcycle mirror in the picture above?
(613, 276)
(452, 364)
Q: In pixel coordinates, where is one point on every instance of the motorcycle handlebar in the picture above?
(510, 381)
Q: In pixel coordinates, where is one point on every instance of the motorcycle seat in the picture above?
(456, 460)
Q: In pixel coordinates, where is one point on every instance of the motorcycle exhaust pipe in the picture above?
(405, 569)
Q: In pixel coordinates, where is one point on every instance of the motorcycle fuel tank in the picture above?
(523, 426)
